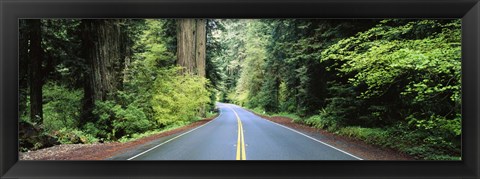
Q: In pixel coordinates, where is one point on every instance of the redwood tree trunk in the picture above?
(24, 64)
(200, 48)
(102, 45)
(35, 73)
(191, 41)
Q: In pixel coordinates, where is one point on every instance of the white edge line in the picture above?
(173, 138)
(316, 140)
(307, 136)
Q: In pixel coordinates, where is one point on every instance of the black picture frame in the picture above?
(12, 10)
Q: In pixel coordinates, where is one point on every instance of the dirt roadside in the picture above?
(347, 144)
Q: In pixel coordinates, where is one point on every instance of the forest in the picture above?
(393, 83)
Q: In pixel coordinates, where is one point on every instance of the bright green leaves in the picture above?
(152, 44)
(381, 63)
(438, 124)
(405, 72)
(178, 98)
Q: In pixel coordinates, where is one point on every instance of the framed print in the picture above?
(182, 89)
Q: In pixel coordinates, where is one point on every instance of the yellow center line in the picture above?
(244, 155)
(241, 154)
(238, 141)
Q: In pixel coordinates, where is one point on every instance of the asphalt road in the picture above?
(237, 134)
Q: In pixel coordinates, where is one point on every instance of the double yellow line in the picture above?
(240, 141)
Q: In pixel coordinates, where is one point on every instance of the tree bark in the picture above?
(24, 63)
(102, 45)
(191, 41)
(200, 46)
(35, 73)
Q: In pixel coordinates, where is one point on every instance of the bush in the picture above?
(322, 121)
(179, 98)
(370, 135)
(61, 107)
(439, 136)
(91, 129)
(342, 109)
(115, 121)
(419, 144)
(74, 136)
(131, 120)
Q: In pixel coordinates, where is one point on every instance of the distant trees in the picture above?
(229, 55)
(273, 63)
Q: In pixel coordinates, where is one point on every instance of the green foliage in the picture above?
(178, 98)
(369, 135)
(401, 138)
(286, 103)
(230, 62)
(422, 69)
(323, 121)
(250, 81)
(91, 128)
(135, 136)
(153, 46)
(405, 72)
(440, 136)
(116, 121)
(74, 136)
(268, 96)
(214, 50)
(60, 107)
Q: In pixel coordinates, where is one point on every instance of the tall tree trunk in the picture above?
(24, 61)
(191, 41)
(101, 41)
(35, 73)
(200, 46)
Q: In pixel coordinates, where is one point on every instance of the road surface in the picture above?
(237, 134)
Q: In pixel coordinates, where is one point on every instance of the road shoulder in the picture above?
(347, 144)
